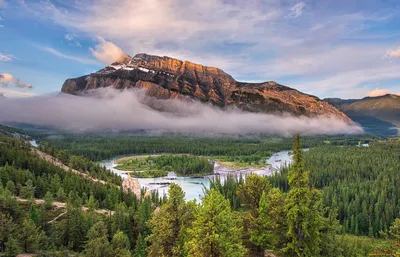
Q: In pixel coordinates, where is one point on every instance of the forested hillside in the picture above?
(251, 217)
(360, 182)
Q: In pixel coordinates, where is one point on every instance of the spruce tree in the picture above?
(120, 245)
(31, 238)
(12, 247)
(215, 231)
(167, 225)
(304, 219)
(141, 247)
(97, 244)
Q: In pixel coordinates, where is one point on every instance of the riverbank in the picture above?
(194, 186)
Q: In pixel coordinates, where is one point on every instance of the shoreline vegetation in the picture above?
(151, 166)
(142, 166)
(123, 162)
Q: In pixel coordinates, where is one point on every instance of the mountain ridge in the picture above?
(168, 78)
(379, 113)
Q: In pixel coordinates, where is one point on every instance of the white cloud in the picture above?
(381, 92)
(108, 109)
(11, 93)
(25, 85)
(255, 39)
(349, 81)
(394, 53)
(69, 37)
(66, 56)
(7, 80)
(72, 40)
(296, 10)
(5, 57)
(107, 52)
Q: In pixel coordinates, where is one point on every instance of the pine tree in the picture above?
(120, 245)
(92, 203)
(250, 192)
(268, 230)
(33, 214)
(97, 244)
(48, 200)
(6, 228)
(304, 219)
(261, 233)
(215, 231)
(141, 247)
(76, 228)
(30, 237)
(12, 247)
(167, 225)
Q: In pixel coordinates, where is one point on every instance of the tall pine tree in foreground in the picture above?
(169, 225)
(304, 210)
(215, 231)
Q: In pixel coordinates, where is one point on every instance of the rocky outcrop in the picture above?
(132, 185)
(167, 78)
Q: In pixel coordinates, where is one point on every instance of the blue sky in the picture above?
(329, 48)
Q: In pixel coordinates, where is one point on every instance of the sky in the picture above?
(328, 48)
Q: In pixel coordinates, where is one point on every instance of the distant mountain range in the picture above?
(378, 115)
(168, 78)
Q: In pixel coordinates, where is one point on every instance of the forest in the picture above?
(182, 165)
(319, 206)
(243, 149)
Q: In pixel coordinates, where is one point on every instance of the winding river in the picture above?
(194, 187)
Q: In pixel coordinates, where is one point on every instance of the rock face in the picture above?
(379, 115)
(166, 78)
(132, 185)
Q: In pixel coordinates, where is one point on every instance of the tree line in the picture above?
(361, 183)
(244, 149)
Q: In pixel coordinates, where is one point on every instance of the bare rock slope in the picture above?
(167, 78)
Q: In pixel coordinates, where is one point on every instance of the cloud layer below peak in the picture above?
(109, 109)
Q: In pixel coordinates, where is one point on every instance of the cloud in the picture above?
(7, 80)
(66, 56)
(11, 93)
(69, 37)
(24, 85)
(5, 57)
(72, 39)
(107, 52)
(108, 109)
(394, 53)
(3, 4)
(349, 81)
(380, 92)
(296, 10)
(255, 39)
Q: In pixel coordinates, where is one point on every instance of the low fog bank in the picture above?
(108, 109)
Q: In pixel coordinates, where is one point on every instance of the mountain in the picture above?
(379, 115)
(167, 78)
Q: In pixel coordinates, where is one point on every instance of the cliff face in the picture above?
(166, 78)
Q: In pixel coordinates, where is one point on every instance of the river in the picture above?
(194, 187)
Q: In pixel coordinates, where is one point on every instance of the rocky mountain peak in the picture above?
(165, 77)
